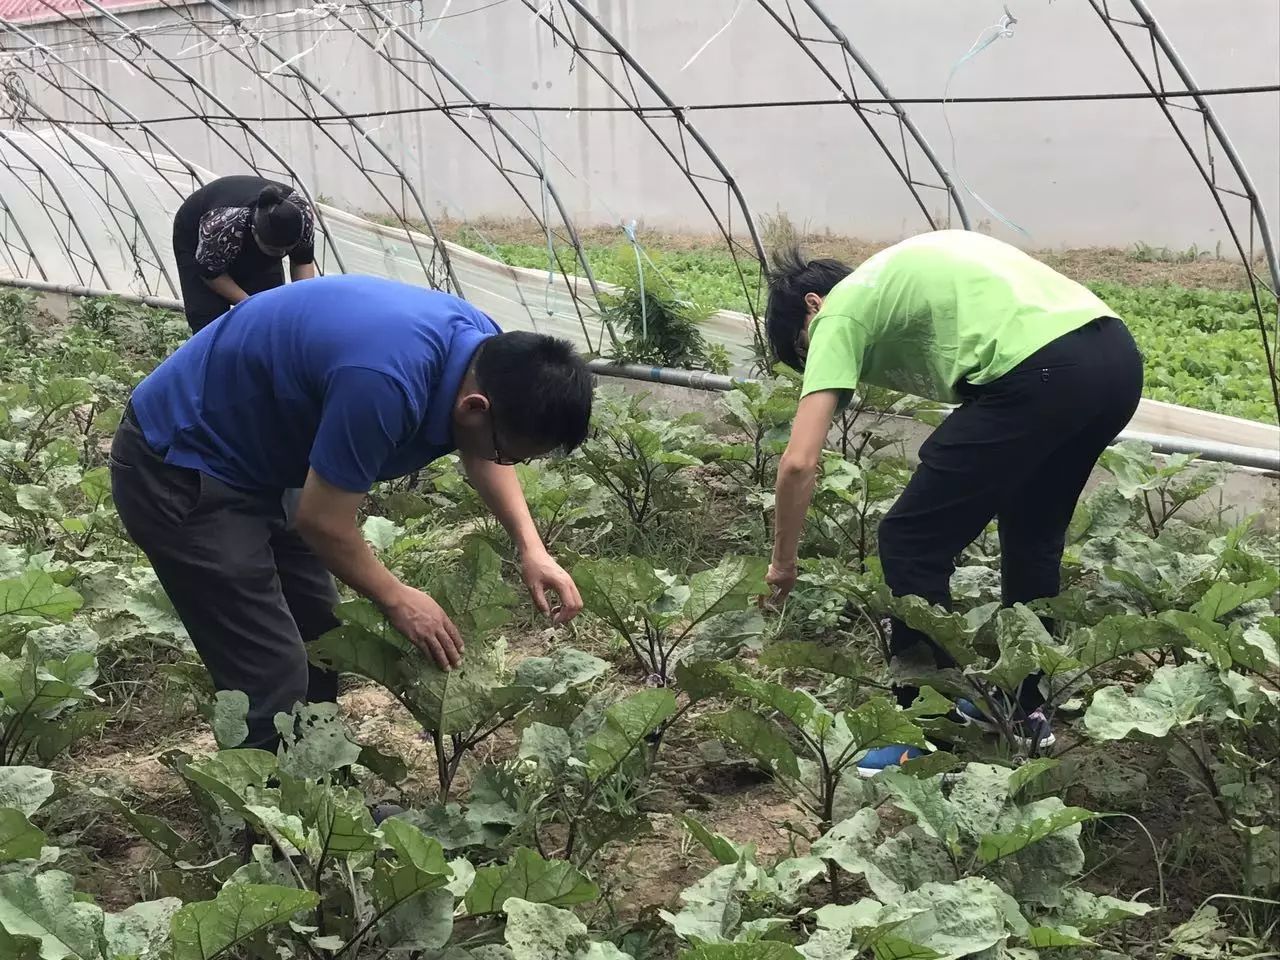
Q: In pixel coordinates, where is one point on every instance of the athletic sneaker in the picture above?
(882, 758)
(1029, 729)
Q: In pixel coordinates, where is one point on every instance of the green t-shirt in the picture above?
(939, 309)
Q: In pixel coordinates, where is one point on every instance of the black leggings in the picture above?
(1018, 449)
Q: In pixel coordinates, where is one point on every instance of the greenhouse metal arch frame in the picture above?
(286, 170)
(1259, 230)
(853, 59)
(308, 88)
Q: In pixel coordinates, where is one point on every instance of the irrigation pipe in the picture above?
(1258, 458)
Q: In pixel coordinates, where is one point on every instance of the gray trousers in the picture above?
(249, 591)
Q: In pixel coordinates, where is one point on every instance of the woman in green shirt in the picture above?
(1043, 372)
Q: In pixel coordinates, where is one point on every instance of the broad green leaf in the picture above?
(626, 725)
(140, 931)
(287, 829)
(401, 884)
(759, 737)
(547, 746)
(1101, 514)
(700, 679)
(1018, 631)
(895, 948)
(1046, 937)
(554, 675)
(951, 631)
(314, 742)
(380, 533)
(924, 800)
(796, 705)
(879, 723)
(19, 840)
(213, 928)
(387, 766)
(54, 735)
(614, 589)
(712, 911)
(421, 924)
(1176, 696)
(155, 611)
(229, 773)
(540, 931)
(1118, 636)
(733, 584)
(909, 859)
(1029, 772)
(475, 596)
(33, 686)
(18, 948)
(931, 765)
(230, 728)
(1201, 634)
(1091, 913)
(354, 648)
(39, 500)
(454, 701)
(929, 703)
(25, 788)
(44, 907)
(852, 844)
(343, 824)
(63, 393)
(788, 878)
(806, 655)
(448, 825)
(975, 582)
(722, 848)
(528, 877)
(956, 919)
(415, 848)
(979, 797)
(720, 636)
(1255, 647)
(837, 924)
(96, 486)
(1223, 597)
(995, 846)
(58, 641)
(763, 950)
(35, 593)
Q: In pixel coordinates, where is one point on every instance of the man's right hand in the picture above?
(426, 625)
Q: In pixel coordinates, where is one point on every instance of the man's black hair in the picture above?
(539, 387)
(790, 276)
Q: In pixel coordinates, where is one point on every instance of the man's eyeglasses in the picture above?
(498, 456)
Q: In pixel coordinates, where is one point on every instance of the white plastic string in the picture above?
(629, 228)
(1001, 29)
(712, 39)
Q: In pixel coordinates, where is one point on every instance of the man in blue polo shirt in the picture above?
(329, 386)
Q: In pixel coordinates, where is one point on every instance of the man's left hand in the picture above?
(541, 573)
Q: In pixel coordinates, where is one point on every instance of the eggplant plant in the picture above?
(663, 618)
(461, 708)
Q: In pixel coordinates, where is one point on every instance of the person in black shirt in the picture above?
(229, 238)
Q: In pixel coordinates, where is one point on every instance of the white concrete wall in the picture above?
(1071, 174)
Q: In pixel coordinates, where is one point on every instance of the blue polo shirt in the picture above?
(354, 377)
